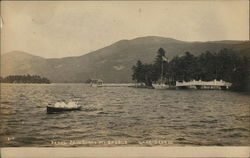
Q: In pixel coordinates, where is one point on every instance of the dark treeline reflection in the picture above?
(225, 65)
(24, 79)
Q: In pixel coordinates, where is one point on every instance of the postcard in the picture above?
(125, 79)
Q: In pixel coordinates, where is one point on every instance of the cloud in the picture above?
(63, 28)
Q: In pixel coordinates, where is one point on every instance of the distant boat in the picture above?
(96, 83)
(61, 106)
(161, 85)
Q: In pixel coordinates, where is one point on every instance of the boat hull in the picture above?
(55, 109)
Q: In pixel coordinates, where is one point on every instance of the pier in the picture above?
(204, 84)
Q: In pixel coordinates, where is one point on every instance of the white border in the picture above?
(126, 152)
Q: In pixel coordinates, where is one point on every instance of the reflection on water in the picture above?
(122, 116)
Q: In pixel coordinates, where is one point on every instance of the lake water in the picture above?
(122, 116)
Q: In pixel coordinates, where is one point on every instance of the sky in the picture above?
(55, 29)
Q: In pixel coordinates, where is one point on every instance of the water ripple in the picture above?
(186, 118)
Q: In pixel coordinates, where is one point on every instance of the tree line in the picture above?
(225, 65)
(24, 79)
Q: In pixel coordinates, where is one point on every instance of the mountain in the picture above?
(242, 48)
(112, 63)
(18, 62)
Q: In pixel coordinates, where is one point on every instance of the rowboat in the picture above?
(61, 106)
(56, 109)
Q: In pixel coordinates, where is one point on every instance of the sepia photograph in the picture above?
(125, 74)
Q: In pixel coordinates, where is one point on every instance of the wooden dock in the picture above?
(204, 84)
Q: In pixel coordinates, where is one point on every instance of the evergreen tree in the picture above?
(138, 72)
(241, 75)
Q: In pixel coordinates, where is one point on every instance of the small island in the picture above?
(24, 79)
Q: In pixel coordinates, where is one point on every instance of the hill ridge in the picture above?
(111, 63)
